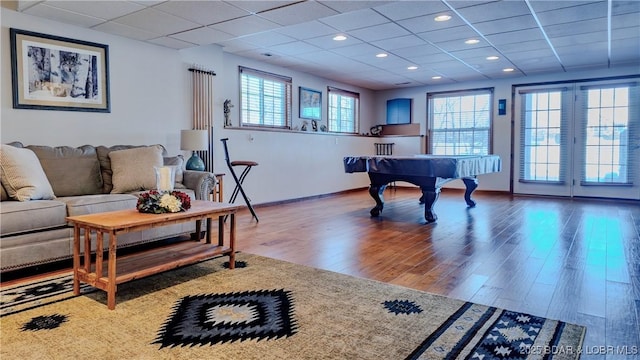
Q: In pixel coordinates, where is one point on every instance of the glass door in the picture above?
(579, 139)
(542, 146)
(607, 141)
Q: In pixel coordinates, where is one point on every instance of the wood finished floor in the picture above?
(571, 260)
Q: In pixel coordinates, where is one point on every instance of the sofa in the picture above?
(42, 185)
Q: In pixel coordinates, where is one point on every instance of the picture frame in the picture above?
(310, 104)
(56, 73)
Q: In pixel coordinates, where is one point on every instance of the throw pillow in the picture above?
(3, 192)
(22, 175)
(71, 171)
(105, 162)
(133, 168)
(178, 162)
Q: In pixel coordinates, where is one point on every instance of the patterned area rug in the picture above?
(268, 309)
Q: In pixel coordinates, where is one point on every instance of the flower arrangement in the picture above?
(155, 202)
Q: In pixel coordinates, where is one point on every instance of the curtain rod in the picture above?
(210, 72)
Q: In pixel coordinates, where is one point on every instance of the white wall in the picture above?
(151, 103)
(146, 86)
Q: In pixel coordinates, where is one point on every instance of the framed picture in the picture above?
(56, 73)
(310, 104)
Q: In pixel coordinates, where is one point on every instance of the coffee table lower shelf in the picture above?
(153, 261)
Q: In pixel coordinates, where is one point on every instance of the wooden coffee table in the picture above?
(148, 262)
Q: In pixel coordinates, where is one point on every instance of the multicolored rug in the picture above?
(268, 309)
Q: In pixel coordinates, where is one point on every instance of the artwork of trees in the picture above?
(57, 73)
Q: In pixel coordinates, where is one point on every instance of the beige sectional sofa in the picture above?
(42, 185)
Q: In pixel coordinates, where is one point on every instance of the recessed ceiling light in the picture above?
(436, 77)
(443, 17)
(472, 41)
(412, 67)
(507, 69)
(339, 38)
(492, 58)
(381, 55)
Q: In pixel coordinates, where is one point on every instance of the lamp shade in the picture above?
(194, 140)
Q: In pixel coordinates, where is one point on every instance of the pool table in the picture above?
(429, 172)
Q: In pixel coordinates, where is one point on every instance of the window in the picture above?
(543, 134)
(606, 132)
(343, 110)
(265, 99)
(460, 122)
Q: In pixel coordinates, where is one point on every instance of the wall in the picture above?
(146, 86)
(151, 103)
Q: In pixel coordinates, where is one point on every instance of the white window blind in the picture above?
(265, 99)
(611, 114)
(544, 134)
(460, 122)
(343, 110)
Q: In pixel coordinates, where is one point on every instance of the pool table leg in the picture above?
(429, 197)
(376, 192)
(471, 184)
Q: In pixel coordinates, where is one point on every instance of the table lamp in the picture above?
(194, 140)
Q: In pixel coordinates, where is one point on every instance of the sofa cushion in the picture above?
(105, 162)
(27, 216)
(91, 204)
(71, 171)
(133, 169)
(22, 175)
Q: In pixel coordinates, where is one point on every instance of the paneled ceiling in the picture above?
(527, 36)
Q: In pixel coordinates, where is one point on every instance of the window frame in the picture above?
(287, 98)
(356, 110)
(460, 93)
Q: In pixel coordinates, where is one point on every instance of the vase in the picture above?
(165, 178)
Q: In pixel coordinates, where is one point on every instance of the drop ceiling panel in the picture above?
(307, 30)
(347, 6)
(269, 38)
(298, 13)
(156, 21)
(294, 48)
(456, 34)
(399, 42)
(411, 9)
(426, 23)
(61, 15)
(202, 36)
(100, 9)
(492, 10)
(433, 58)
(517, 37)
(260, 5)
(379, 32)
(245, 26)
(202, 12)
(126, 31)
(327, 42)
(595, 10)
(354, 20)
(506, 25)
(171, 43)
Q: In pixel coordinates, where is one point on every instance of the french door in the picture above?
(578, 139)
